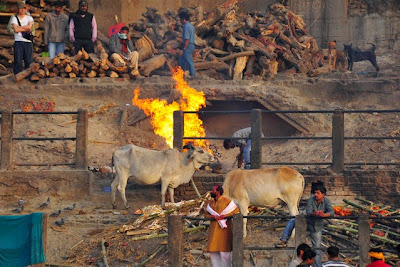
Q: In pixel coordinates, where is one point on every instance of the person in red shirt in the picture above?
(377, 259)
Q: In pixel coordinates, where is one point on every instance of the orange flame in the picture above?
(161, 112)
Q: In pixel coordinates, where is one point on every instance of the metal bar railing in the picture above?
(44, 138)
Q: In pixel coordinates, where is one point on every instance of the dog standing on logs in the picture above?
(334, 57)
(356, 54)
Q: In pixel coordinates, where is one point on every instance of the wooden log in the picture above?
(95, 59)
(217, 65)
(239, 67)
(5, 54)
(123, 69)
(103, 53)
(249, 66)
(72, 75)
(6, 41)
(239, 54)
(41, 73)
(68, 68)
(112, 74)
(92, 74)
(34, 78)
(146, 67)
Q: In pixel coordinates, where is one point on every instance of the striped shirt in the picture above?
(335, 263)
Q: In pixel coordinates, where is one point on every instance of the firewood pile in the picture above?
(233, 45)
(229, 45)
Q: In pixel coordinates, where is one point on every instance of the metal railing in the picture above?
(337, 137)
(7, 139)
(175, 235)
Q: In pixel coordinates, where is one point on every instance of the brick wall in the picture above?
(375, 185)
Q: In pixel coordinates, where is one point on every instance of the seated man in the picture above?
(300, 252)
(333, 258)
(122, 50)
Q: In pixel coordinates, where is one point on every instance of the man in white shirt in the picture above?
(333, 258)
(22, 26)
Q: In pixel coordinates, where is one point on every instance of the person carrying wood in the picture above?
(188, 35)
(56, 30)
(220, 231)
(83, 28)
(122, 50)
(22, 26)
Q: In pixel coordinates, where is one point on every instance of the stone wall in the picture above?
(64, 184)
(380, 186)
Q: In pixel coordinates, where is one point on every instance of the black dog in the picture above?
(356, 54)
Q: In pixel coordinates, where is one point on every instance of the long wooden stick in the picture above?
(355, 231)
(143, 263)
(187, 230)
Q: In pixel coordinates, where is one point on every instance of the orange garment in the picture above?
(220, 239)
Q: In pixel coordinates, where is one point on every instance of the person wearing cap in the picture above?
(83, 28)
(188, 36)
(27, 12)
(56, 30)
(377, 258)
(22, 26)
(122, 50)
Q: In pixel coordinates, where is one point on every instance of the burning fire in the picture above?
(161, 112)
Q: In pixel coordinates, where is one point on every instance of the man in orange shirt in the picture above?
(220, 231)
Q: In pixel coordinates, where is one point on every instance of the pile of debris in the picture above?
(260, 43)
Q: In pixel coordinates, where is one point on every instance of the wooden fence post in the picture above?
(256, 142)
(6, 138)
(175, 240)
(179, 125)
(364, 238)
(301, 229)
(338, 141)
(82, 140)
(237, 241)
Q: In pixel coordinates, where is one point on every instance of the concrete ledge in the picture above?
(77, 184)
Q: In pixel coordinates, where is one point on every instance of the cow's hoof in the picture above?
(127, 207)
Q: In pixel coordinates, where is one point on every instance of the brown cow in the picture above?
(264, 187)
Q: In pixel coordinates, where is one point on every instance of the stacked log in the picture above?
(240, 46)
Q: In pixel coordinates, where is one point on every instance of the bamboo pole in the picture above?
(143, 263)
(355, 231)
(104, 253)
(187, 230)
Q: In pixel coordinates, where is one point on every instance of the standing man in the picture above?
(122, 50)
(220, 231)
(83, 28)
(56, 30)
(244, 145)
(318, 207)
(186, 59)
(333, 258)
(22, 25)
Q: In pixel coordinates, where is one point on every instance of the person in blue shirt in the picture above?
(186, 59)
(318, 207)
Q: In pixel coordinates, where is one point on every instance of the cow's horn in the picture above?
(189, 145)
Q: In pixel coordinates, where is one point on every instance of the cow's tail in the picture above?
(302, 186)
(373, 47)
(112, 167)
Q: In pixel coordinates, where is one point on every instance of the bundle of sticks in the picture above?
(237, 45)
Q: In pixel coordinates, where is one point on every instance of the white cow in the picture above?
(264, 187)
(170, 167)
